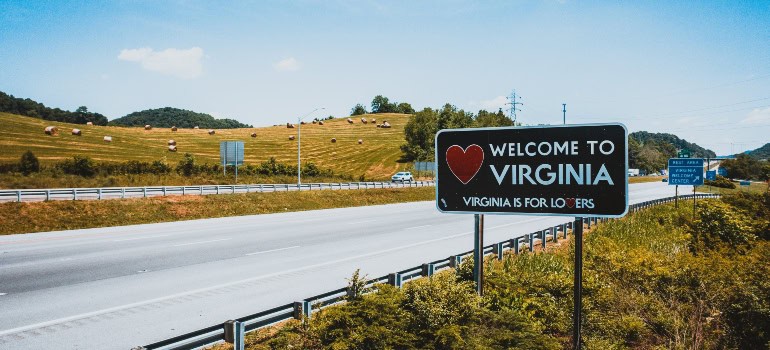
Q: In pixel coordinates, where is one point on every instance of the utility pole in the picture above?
(513, 102)
(564, 113)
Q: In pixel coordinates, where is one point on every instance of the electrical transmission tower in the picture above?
(513, 102)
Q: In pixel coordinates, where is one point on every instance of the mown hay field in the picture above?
(376, 158)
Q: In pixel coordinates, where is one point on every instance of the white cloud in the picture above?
(757, 116)
(494, 104)
(287, 65)
(181, 63)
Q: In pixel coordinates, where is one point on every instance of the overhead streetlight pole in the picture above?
(564, 111)
(299, 142)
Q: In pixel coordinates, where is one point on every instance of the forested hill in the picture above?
(34, 109)
(762, 152)
(168, 117)
(696, 151)
(651, 151)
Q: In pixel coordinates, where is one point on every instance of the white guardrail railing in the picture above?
(36, 195)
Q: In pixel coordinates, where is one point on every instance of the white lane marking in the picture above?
(273, 250)
(137, 238)
(414, 227)
(251, 279)
(201, 242)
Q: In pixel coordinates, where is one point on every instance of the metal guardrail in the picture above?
(154, 191)
(304, 308)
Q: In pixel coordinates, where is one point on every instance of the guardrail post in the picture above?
(183, 190)
(302, 309)
(234, 332)
(564, 230)
(555, 232)
(122, 192)
(47, 195)
(543, 235)
(18, 196)
(588, 220)
(233, 188)
(515, 245)
(498, 250)
(217, 189)
(428, 270)
(395, 279)
(531, 241)
(144, 192)
(74, 194)
(164, 191)
(455, 261)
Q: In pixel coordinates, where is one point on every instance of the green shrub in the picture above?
(79, 165)
(29, 163)
(721, 181)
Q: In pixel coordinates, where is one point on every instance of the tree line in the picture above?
(381, 104)
(168, 116)
(421, 129)
(30, 108)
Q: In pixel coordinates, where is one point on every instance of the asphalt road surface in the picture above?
(120, 287)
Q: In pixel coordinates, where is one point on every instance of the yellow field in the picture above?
(376, 158)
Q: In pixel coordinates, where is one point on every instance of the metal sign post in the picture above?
(478, 253)
(577, 291)
(231, 153)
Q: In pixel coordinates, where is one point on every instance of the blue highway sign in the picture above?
(685, 171)
(711, 175)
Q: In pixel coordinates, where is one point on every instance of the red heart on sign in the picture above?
(570, 202)
(464, 163)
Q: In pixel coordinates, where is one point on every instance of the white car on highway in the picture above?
(402, 177)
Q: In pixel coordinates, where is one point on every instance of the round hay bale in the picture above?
(350, 121)
(148, 127)
(289, 126)
(253, 134)
(374, 120)
(379, 126)
(76, 132)
(334, 140)
(51, 130)
(315, 122)
(212, 132)
(360, 141)
(385, 124)
(172, 148)
(107, 139)
(302, 122)
(363, 120)
(320, 122)
(291, 137)
(90, 123)
(173, 128)
(171, 143)
(196, 127)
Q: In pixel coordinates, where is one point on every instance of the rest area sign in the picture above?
(685, 171)
(570, 170)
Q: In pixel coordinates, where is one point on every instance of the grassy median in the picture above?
(69, 215)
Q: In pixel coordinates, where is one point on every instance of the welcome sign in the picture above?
(574, 170)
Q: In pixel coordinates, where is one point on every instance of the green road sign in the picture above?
(685, 153)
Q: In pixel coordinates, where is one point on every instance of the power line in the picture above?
(513, 103)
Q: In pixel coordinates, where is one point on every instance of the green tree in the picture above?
(79, 165)
(29, 163)
(404, 108)
(488, 119)
(419, 133)
(381, 104)
(359, 109)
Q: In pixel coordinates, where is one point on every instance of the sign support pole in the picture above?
(577, 229)
(694, 205)
(478, 253)
(676, 196)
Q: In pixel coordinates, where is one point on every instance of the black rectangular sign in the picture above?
(571, 170)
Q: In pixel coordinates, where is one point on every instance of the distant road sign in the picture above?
(685, 171)
(685, 153)
(711, 175)
(745, 183)
(231, 152)
(567, 170)
(722, 172)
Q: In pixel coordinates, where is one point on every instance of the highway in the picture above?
(120, 287)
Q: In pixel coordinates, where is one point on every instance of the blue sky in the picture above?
(700, 70)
